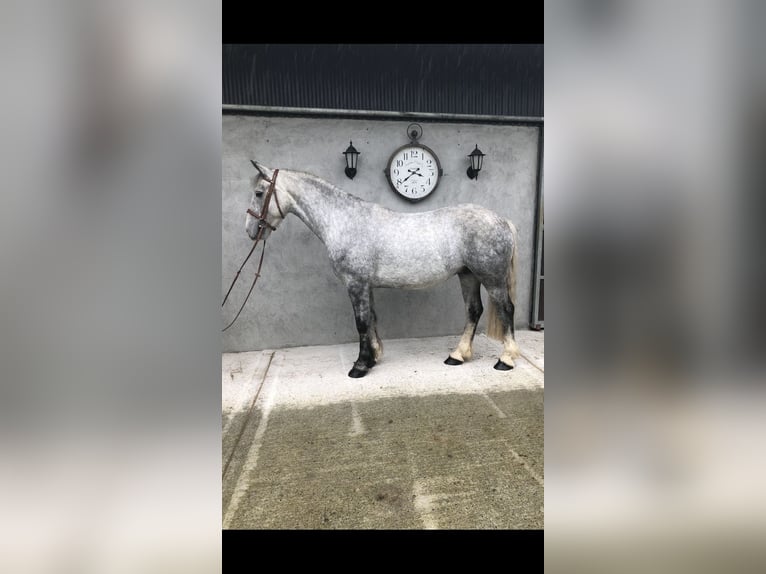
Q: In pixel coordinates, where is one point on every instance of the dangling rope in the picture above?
(255, 279)
(262, 224)
(255, 244)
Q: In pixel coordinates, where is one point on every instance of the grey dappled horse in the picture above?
(371, 246)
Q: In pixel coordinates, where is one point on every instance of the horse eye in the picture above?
(258, 194)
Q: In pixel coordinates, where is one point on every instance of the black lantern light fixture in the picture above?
(477, 159)
(351, 154)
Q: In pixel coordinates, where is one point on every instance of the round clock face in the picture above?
(413, 171)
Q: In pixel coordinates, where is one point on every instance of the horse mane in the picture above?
(328, 188)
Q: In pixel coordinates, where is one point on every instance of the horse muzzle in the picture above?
(260, 222)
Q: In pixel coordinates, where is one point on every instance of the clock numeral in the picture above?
(398, 182)
(399, 163)
(405, 156)
(429, 181)
(429, 161)
(396, 172)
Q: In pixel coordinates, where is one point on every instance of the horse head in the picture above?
(263, 200)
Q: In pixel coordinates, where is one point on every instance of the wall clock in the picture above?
(413, 170)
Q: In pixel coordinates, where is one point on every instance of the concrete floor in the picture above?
(415, 444)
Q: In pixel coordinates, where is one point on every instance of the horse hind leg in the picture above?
(471, 288)
(501, 326)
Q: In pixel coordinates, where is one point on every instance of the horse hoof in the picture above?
(451, 361)
(357, 373)
(501, 366)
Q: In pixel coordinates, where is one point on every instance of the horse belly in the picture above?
(415, 267)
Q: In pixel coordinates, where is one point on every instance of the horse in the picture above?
(373, 247)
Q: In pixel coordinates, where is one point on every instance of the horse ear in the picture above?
(263, 170)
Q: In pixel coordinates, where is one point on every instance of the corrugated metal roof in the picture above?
(503, 80)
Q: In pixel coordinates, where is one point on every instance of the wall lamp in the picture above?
(351, 154)
(477, 159)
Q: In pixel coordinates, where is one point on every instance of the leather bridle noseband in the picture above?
(262, 225)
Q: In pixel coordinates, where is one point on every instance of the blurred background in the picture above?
(109, 291)
(655, 334)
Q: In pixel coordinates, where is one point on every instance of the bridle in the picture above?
(262, 225)
(271, 192)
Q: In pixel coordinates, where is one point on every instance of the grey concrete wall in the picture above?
(299, 300)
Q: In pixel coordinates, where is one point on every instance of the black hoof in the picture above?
(501, 366)
(451, 361)
(357, 373)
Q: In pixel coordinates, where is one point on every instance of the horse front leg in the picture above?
(360, 295)
(377, 343)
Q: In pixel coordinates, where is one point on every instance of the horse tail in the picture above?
(495, 328)
(512, 265)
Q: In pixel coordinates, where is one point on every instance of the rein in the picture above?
(262, 224)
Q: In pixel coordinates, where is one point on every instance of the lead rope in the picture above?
(255, 244)
(255, 279)
(259, 237)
